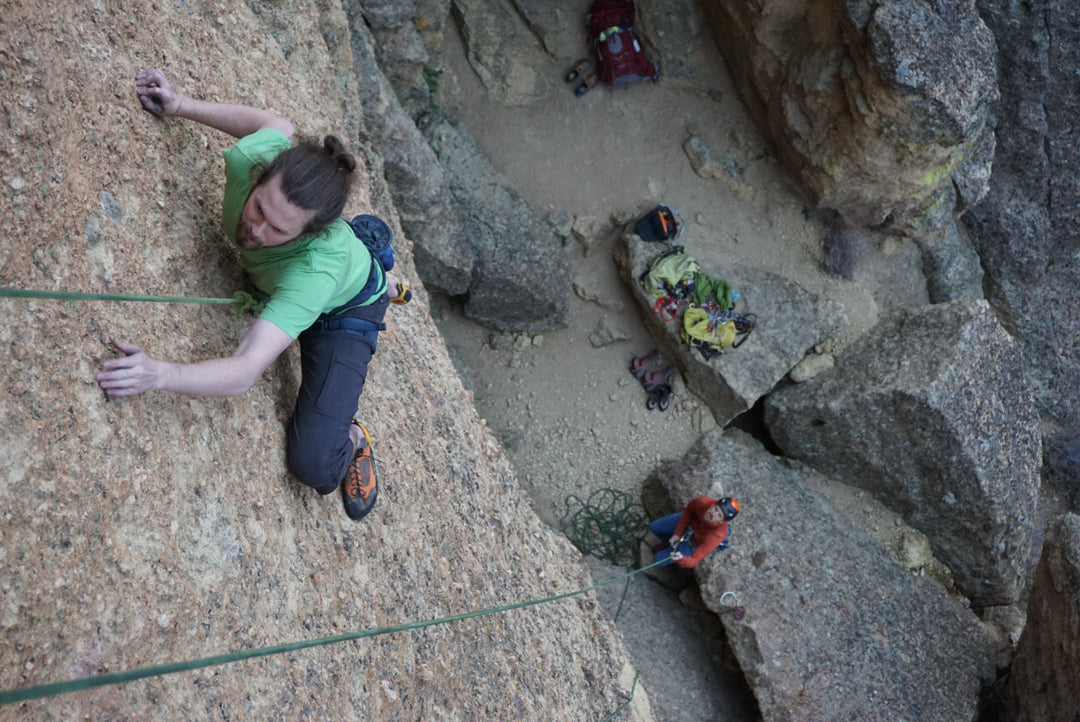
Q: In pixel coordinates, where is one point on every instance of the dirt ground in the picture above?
(571, 416)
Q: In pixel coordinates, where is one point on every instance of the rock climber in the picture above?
(695, 531)
(282, 207)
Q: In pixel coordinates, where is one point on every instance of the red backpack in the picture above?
(619, 54)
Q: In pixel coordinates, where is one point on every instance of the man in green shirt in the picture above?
(283, 207)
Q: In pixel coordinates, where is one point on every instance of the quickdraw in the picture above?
(739, 612)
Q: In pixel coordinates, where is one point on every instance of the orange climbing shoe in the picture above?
(359, 489)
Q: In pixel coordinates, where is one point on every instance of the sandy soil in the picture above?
(570, 415)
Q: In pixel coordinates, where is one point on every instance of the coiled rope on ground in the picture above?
(609, 525)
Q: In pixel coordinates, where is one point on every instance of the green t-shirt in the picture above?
(311, 275)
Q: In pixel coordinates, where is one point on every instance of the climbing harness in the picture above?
(667, 307)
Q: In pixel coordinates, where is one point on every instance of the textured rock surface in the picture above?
(951, 265)
(834, 629)
(492, 34)
(420, 188)
(1043, 684)
(1027, 228)
(406, 32)
(930, 412)
(521, 278)
(881, 110)
(790, 321)
(163, 528)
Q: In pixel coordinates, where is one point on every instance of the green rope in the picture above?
(49, 690)
(609, 525)
(629, 699)
(241, 299)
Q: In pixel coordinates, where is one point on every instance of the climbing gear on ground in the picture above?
(641, 364)
(377, 237)
(580, 68)
(671, 274)
(729, 506)
(667, 307)
(607, 525)
(660, 224)
(707, 288)
(737, 611)
(404, 295)
(587, 83)
(712, 329)
(359, 488)
(654, 373)
(614, 38)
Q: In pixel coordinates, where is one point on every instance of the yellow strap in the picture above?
(613, 30)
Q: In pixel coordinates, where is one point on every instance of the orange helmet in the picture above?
(729, 506)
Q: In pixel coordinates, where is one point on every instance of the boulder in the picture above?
(521, 275)
(560, 29)
(951, 265)
(494, 34)
(1043, 682)
(790, 321)
(1027, 227)
(834, 627)
(880, 110)
(930, 412)
(406, 33)
(673, 33)
(419, 186)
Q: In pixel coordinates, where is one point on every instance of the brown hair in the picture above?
(315, 178)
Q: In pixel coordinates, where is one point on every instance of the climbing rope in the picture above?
(50, 690)
(243, 300)
(608, 526)
(629, 699)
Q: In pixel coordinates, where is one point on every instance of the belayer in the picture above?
(282, 207)
(691, 534)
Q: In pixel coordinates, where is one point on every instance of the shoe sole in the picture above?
(361, 478)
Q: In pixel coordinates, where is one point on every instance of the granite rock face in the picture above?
(521, 278)
(492, 32)
(1043, 684)
(420, 187)
(834, 627)
(790, 319)
(163, 528)
(880, 110)
(951, 265)
(931, 413)
(1027, 228)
